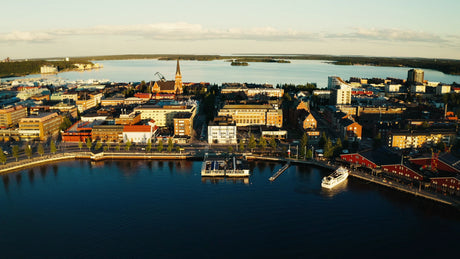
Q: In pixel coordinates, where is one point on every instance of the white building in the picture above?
(418, 89)
(139, 134)
(443, 89)
(163, 115)
(48, 69)
(222, 131)
(392, 88)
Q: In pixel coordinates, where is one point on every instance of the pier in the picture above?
(279, 172)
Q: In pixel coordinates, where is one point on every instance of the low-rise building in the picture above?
(222, 130)
(253, 114)
(108, 133)
(419, 138)
(164, 114)
(42, 126)
(139, 134)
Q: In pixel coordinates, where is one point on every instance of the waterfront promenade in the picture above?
(53, 158)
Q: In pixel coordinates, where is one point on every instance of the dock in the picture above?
(279, 172)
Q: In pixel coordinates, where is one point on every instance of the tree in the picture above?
(322, 140)
(160, 146)
(241, 147)
(252, 143)
(272, 143)
(117, 147)
(230, 149)
(28, 150)
(303, 144)
(177, 149)
(80, 144)
(53, 147)
(107, 146)
(441, 146)
(98, 145)
(15, 150)
(128, 145)
(262, 143)
(148, 148)
(309, 154)
(328, 150)
(338, 147)
(66, 123)
(89, 144)
(40, 149)
(2, 156)
(170, 144)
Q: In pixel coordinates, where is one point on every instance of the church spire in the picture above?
(178, 68)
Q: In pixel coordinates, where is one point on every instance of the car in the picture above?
(6, 152)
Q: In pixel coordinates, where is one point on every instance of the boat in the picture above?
(335, 178)
(233, 166)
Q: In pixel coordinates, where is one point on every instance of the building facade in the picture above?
(249, 114)
(41, 127)
(419, 138)
(183, 124)
(222, 131)
(11, 116)
(164, 115)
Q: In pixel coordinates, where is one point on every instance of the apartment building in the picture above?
(183, 124)
(41, 126)
(163, 115)
(253, 114)
(12, 115)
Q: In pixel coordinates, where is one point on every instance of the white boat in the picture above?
(335, 178)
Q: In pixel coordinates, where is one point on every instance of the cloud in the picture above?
(187, 31)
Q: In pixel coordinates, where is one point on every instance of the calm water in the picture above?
(219, 71)
(165, 209)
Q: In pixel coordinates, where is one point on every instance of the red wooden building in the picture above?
(445, 162)
(446, 183)
(372, 158)
(403, 170)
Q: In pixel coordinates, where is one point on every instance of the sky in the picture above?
(50, 28)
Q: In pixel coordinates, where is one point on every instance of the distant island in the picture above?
(447, 66)
(26, 67)
(238, 63)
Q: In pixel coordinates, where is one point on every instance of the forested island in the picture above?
(447, 66)
(27, 67)
(239, 63)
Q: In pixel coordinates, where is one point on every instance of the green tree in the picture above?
(328, 149)
(107, 146)
(241, 146)
(2, 156)
(98, 145)
(303, 144)
(262, 143)
(177, 149)
(148, 148)
(53, 147)
(309, 154)
(160, 146)
(118, 147)
(15, 151)
(40, 149)
(89, 144)
(128, 145)
(272, 143)
(322, 140)
(66, 123)
(80, 144)
(338, 147)
(230, 149)
(252, 142)
(28, 150)
(170, 144)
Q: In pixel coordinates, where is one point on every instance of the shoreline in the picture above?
(49, 159)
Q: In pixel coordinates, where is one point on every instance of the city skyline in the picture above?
(49, 28)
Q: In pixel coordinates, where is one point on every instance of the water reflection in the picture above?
(225, 180)
(6, 182)
(339, 188)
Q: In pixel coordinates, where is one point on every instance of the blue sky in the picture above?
(49, 28)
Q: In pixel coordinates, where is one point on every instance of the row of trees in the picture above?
(15, 150)
(127, 146)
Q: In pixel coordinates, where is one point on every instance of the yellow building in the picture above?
(42, 126)
(11, 116)
(253, 114)
(163, 115)
(418, 139)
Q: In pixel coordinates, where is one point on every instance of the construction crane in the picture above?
(162, 78)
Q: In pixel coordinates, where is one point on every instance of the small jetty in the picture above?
(225, 166)
(279, 172)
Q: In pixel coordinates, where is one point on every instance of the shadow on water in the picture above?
(6, 182)
(43, 171)
(225, 180)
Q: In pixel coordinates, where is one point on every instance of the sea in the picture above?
(220, 71)
(165, 209)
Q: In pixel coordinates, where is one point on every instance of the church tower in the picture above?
(178, 81)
